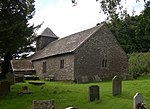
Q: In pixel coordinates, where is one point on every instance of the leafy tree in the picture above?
(143, 28)
(133, 32)
(15, 31)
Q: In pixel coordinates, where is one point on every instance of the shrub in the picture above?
(139, 64)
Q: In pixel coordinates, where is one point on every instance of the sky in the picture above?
(64, 19)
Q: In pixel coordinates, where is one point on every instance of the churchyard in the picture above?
(114, 94)
(67, 94)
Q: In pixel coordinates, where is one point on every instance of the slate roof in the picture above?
(48, 33)
(22, 65)
(65, 45)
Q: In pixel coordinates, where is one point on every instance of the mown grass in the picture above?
(71, 94)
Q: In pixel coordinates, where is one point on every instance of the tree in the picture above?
(143, 28)
(133, 32)
(15, 31)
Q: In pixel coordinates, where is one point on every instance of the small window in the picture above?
(104, 63)
(44, 67)
(61, 64)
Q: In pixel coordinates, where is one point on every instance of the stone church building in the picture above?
(90, 55)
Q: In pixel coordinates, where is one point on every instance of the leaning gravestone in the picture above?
(97, 78)
(116, 85)
(138, 101)
(43, 104)
(94, 93)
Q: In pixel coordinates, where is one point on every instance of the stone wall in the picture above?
(102, 45)
(53, 67)
(43, 41)
(87, 62)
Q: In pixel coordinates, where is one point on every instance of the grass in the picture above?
(71, 94)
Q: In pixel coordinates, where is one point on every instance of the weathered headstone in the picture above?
(10, 78)
(94, 93)
(85, 79)
(24, 90)
(116, 85)
(138, 101)
(4, 87)
(43, 104)
(97, 78)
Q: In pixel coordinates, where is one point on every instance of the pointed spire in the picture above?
(48, 33)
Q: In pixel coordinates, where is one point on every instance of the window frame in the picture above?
(62, 64)
(104, 63)
(44, 67)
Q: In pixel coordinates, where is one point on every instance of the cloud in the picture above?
(64, 19)
(131, 5)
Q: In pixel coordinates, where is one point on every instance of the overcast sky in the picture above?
(64, 19)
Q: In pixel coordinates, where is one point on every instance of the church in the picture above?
(87, 56)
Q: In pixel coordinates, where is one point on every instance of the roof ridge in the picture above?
(66, 44)
(77, 33)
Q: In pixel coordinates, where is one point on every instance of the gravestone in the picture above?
(10, 78)
(4, 87)
(85, 79)
(94, 93)
(43, 104)
(24, 90)
(138, 101)
(116, 85)
(36, 82)
(97, 78)
(71, 108)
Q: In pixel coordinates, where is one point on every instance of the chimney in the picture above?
(46, 37)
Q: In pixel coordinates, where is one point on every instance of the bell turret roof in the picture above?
(48, 33)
